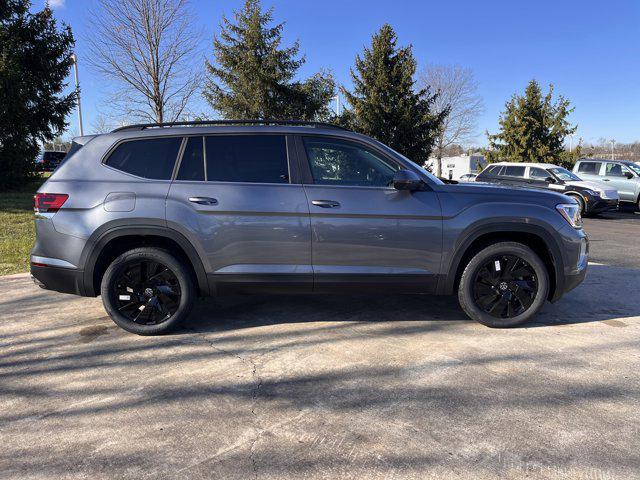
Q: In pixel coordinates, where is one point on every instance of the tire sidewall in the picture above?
(465, 290)
(187, 290)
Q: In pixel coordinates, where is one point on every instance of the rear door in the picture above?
(233, 198)
(513, 175)
(589, 170)
(366, 234)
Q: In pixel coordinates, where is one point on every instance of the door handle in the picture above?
(326, 203)
(203, 200)
(606, 180)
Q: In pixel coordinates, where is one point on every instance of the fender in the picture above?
(109, 231)
(473, 233)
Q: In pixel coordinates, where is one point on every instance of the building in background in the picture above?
(454, 167)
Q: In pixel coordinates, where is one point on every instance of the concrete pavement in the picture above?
(372, 387)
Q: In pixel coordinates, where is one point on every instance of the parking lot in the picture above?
(380, 387)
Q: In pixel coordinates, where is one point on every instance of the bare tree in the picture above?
(458, 91)
(149, 49)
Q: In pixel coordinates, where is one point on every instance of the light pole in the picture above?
(74, 59)
(571, 135)
(337, 98)
(613, 156)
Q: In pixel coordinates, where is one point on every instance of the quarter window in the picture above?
(590, 168)
(247, 158)
(152, 158)
(339, 162)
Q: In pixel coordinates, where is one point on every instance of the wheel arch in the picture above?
(539, 239)
(105, 246)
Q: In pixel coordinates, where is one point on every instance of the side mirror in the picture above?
(407, 180)
(550, 180)
(629, 175)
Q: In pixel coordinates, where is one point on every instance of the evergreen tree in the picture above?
(253, 76)
(34, 62)
(532, 128)
(385, 103)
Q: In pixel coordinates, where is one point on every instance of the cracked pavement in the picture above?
(376, 387)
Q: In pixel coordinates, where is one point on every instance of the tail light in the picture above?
(49, 202)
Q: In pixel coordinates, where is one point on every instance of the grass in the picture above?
(17, 232)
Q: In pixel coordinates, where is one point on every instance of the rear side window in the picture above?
(192, 164)
(490, 171)
(591, 168)
(513, 171)
(152, 158)
(247, 158)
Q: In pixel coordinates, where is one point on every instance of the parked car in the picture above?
(153, 216)
(621, 175)
(592, 197)
(468, 177)
(48, 160)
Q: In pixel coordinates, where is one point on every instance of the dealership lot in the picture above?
(326, 387)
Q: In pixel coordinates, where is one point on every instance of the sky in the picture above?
(589, 50)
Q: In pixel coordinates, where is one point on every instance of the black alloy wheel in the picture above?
(505, 286)
(147, 292)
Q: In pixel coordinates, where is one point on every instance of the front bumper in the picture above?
(599, 205)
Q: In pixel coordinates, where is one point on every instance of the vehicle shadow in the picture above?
(606, 294)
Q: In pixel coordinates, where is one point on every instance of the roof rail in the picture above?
(142, 126)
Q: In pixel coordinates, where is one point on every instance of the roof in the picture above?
(529, 164)
(627, 162)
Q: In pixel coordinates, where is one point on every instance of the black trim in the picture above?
(446, 286)
(142, 126)
(63, 280)
(108, 232)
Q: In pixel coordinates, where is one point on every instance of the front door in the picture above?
(233, 199)
(366, 234)
(617, 175)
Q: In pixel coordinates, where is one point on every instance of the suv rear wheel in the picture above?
(147, 291)
(503, 285)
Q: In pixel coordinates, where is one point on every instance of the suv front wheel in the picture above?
(147, 291)
(503, 285)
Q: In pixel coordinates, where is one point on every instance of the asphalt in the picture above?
(314, 387)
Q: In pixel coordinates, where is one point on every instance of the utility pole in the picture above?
(571, 135)
(613, 155)
(337, 97)
(74, 58)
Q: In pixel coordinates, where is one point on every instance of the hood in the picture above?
(598, 187)
(534, 195)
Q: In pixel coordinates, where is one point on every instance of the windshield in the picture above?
(564, 174)
(634, 167)
(431, 176)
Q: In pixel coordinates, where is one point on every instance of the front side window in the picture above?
(615, 170)
(590, 168)
(538, 173)
(340, 162)
(513, 171)
(152, 158)
(247, 158)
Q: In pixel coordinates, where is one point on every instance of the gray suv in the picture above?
(153, 216)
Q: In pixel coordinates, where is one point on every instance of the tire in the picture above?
(153, 279)
(526, 290)
(581, 204)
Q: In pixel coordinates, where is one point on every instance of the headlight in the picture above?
(571, 213)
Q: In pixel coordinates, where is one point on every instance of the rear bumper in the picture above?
(64, 280)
